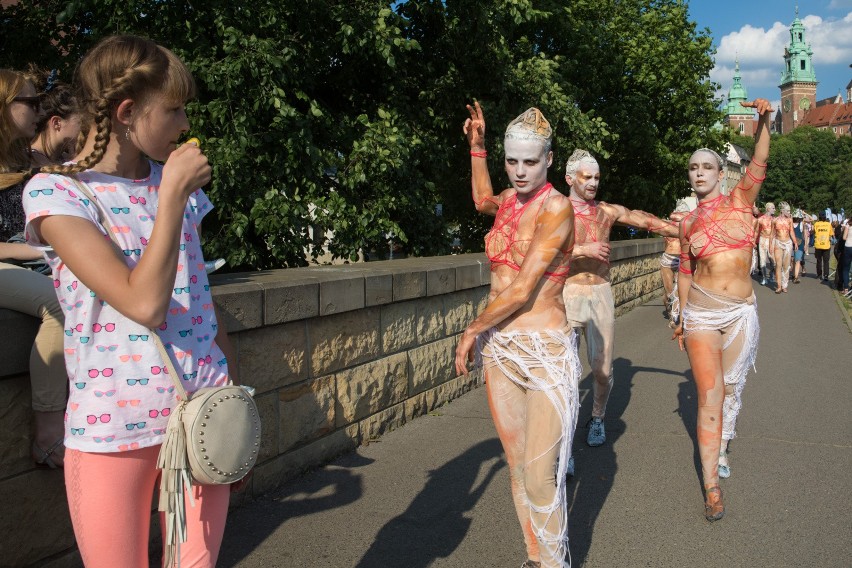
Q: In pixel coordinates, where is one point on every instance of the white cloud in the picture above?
(831, 40)
(839, 4)
(761, 51)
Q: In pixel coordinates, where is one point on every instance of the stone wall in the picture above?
(338, 355)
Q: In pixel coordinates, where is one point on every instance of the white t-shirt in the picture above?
(120, 395)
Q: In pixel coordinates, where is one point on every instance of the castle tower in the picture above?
(798, 81)
(737, 117)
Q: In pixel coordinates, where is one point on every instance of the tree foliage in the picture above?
(809, 168)
(334, 125)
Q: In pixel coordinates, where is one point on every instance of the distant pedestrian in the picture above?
(847, 257)
(822, 246)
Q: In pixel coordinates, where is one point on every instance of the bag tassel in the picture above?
(175, 479)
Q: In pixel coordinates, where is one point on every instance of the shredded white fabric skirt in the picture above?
(736, 317)
(669, 260)
(518, 353)
(786, 255)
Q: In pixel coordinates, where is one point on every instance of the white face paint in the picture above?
(584, 184)
(526, 165)
(704, 173)
(770, 209)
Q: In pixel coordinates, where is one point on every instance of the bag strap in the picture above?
(102, 216)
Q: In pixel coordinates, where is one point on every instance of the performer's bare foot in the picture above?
(714, 508)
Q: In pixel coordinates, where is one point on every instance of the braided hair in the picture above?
(116, 69)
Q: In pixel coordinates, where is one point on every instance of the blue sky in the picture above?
(756, 31)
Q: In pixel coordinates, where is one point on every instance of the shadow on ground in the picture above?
(438, 518)
(596, 468)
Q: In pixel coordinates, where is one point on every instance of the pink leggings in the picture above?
(110, 498)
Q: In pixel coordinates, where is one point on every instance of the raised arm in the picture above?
(483, 193)
(645, 221)
(749, 186)
(554, 235)
(144, 292)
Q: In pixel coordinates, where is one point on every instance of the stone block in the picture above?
(461, 308)
(398, 326)
(240, 305)
(290, 300)
(469, 275)
(19, 331)
(408, 285)
(274, 356)
(485, 274)
(440, 280)
(430, 319)
(267, 406)
(306, 411)
(415, 406)
(342, 293)
(382, 422)
(343, 340)
(35, 523)
(431, 364)
(367, 389)
(378, 288)
(15, 419)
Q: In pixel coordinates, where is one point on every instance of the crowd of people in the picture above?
(551, 282)
(104, 157)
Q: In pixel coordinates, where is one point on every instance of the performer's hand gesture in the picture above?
(474, 128)
(761, 105)
(678, 334)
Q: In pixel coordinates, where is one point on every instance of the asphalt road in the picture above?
(435, 493)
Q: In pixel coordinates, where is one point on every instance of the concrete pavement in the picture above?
(435, 493)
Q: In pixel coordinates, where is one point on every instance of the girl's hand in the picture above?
(474, 128)
(186, 170)
(464, 353)
(678, 334)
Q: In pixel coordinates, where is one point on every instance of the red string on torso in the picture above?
(720, 225)
(501, 243)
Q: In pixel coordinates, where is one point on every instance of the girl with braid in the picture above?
(133, 93)
(719, 326)
(529, 352)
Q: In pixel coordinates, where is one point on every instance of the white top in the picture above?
(120, 395)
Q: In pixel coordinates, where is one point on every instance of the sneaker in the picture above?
(597, 433)
(763, 282)
(724, 466)
(214, 265)
(569, 470)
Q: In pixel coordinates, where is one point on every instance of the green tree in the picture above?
(335, 125)
(799, 172)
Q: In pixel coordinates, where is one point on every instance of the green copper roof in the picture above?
(797, 56)
(737, 95)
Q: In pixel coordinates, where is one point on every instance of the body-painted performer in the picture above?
(588, 296)
(529, 354)
(719, 326)
(669, 263)
(782, 247)
(766, 224)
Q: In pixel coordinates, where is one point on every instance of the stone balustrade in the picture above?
(338, 355)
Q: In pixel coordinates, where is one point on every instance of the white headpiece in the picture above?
(575, 159)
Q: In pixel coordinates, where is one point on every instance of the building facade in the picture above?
(798, 80)
(737, 117)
